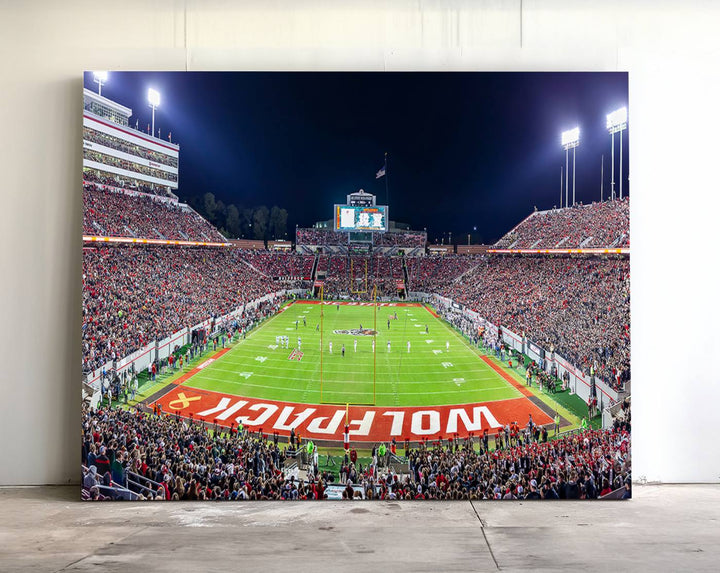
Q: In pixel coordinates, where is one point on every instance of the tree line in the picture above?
(240, 222)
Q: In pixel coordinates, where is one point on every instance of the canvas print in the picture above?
(355, 286)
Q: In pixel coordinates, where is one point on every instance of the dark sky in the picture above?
(465, 149)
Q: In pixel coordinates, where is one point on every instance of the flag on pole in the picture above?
(380, 173)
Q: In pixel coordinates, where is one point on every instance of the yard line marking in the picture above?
(290, 389)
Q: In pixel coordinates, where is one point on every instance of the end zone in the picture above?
(367, 424)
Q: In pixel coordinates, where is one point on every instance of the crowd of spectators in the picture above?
(122, 182)
(277, 264)
(578, 307)
(583, 465)
(134, 295)
(120, 214)
(401, 239)
(345, 276)
(123, 145)
(128, 165)
(430, 274)
(597, 225)
(177, 459)
(320, 237)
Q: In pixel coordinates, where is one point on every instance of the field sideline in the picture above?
(441, 387)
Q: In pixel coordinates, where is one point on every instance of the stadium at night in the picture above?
(399, 341)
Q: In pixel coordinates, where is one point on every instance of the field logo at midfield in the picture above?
(295, 355)
(357, 332)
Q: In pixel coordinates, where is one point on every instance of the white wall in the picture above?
(671, 50)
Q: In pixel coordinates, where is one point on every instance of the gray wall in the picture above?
(671, 50)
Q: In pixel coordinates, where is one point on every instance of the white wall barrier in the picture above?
(580, 384)
(419, 296)
(512, 339)
(142, 358)
(166, 346)
(535, 352)
(159, 350)
(93, 379)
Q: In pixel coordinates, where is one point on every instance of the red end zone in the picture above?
(349, 303)
(367, 424)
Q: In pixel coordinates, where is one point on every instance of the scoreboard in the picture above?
(358, 218)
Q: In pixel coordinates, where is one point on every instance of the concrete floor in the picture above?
(664, 528)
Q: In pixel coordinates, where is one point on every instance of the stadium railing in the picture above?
(137, 478)
(615, 494)
(115, 491)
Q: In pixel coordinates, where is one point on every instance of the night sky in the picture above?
(464, 149)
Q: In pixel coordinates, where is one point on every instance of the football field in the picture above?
(439, 368)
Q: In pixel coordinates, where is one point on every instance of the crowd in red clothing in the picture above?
(320, 237)
(430, 274)
(583, 465)
(182, 460)
(605, 224)
(359, 274)
(409, 239)
(176, 459)
(277, 264)
(580, 307)
(119, 214)
(134, 295)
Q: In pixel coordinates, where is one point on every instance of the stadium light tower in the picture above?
(616, 122)
(100, 78)
(154, 101)
(570, 140)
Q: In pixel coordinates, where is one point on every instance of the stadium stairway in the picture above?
(258, 271)
(313, 273)
(467, 272)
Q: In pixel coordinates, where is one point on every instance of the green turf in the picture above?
(429, 374)
(577, 406)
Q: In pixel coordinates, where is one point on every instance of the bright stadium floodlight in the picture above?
(570, 139)
(154, 101)
(616, 123)
(617, 120)
(100, 78)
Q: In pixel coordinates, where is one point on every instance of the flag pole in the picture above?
(387, 193)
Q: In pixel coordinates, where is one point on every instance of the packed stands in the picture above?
(128, 165)
(402, 239)
(125, 146)
(579, 306)
(133, 295)
(328, 237)
(430, 274)
(169, 458)
(320, 237)
(276, 264)
(118, 214)
(123, 182)
(597, 225)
